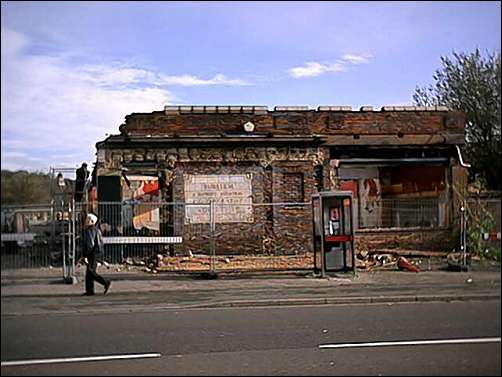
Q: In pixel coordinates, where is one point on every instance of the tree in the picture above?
(471, 83)
(22, 187)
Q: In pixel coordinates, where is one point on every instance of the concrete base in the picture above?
(209, 275)
(70, 280)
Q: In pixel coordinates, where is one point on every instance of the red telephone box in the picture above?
(333, 232)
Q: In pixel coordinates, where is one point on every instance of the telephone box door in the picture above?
(333, 231)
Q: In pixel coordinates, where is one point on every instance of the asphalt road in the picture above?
(264, 341)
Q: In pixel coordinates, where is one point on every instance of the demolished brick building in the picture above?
(393, 160)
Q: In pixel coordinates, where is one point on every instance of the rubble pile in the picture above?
(240, 262)
(200, 262)
(369, 261)
(396, 259)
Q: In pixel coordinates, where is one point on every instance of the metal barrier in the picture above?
(402, 213)
(26, 235)
(483, 222)
(187, 237)
(208, 237)
(272, 237)
(141, 230)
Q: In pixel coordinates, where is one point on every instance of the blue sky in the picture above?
(72, 71)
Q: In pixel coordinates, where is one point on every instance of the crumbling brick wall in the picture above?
(291, 122)
(275, 230)
(424, 239)
(189, 139)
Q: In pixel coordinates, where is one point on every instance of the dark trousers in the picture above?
(91, 275)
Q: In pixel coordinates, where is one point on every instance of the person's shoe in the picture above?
(87, 294)
(107, 287)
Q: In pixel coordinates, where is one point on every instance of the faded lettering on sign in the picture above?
(231, 195)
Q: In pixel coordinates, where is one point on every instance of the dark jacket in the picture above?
(82, 174)
(93, 243)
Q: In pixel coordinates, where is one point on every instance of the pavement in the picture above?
(40, 291)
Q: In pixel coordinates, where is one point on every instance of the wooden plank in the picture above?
(415, 253)
(141, 240)
(19, 237)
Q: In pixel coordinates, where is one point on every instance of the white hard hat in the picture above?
(93, 219)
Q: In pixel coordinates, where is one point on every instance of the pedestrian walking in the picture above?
(93, 253)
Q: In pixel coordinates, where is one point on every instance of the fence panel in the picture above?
(403, 213)
(263, 237)
(483, 227)
(200, 237)
(26, 237)
(157, 235)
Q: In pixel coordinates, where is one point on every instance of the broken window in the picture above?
(413, 196)
(397, 196)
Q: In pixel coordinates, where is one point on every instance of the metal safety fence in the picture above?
(401, 213)
(26, 236)
(483, 226)
(209, 237)
(191, 237)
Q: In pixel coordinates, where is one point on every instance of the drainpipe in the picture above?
(463, 219)
(462, 163)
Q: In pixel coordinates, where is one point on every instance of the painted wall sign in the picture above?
(231, 195)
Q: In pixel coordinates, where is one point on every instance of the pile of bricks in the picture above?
(237, 263)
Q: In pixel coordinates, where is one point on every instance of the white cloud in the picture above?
(357, 59)
(55, 110)
(188, 80)
(313, 69)
(110, 75)
(12, 160)
(115, 75)
(12, 42)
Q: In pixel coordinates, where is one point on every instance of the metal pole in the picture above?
(212, 226)
(63, 241)
(68, 266)
(352, 243)
(123, 227)
(73, 238)
(464, 235)
(53, 227)
(323, 251)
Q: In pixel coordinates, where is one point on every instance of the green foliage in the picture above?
(492, 253)
(471, 83)
(22, 187)
(480, 221)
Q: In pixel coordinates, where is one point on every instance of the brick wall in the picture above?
(276, 230)
(427, 240)
(279, 230)
(291, 122)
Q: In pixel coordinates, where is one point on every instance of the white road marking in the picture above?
(79, 359)
(411, 343)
